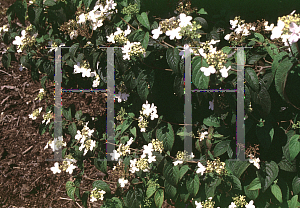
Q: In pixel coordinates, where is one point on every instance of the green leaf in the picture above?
(293, 203)
(296, 185)
(251, 194)
(151, 190)
(145, 40)
(35, 15)
(281, 76)
(117, 202)
(166, 135)
(49, 3)
(286, 165)
(294, 146)
(202, 11)
(253, 59)
(159, 198)
(142, 87)
(73, 49)
(133, 131)
(173, 58)
(260, 37)
(254, 185)
(236, 182)
(101, 185)
(126, 124)
(143, 19)
(70, 188)
(211, 188)
(6, 59)
(263, 133)
(272, 49)
(198, 78)
(276, 191)
(67, 113)
(272, 173)
(72, 129)
(101, 165)
(169, 189)
(183, 171)
(78, 115)
(212, 121)
(262, 98)
(134, 198)
(193, 184)
(202, 22)
(84, 198)
(237, 167)
(171, 173)
(252, 79)
(221, 148)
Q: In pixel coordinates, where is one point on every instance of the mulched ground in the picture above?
(25, 176)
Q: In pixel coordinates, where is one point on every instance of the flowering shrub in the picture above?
(160, 170)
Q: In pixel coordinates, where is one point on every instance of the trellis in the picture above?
(240, 126)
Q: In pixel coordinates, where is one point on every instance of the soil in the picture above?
(25, 176)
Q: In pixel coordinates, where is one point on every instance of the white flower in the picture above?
(186, 46)
(129, 141)
(269, 27)
(122, 182)
(250, 205)
(198, 204)
(208, 71)
(239, 29)
(232, 205)
(192, 155)
(174, 33)
(255, 162)
(227, 37)
(55, 169)
(151, 158)
(154, 114)
(71, 168)
(177, 162)
(148, 149)
(184, 20)
(201, 52)
(111, 38)
(115, 155)
(295, 36)
(143, 129)
(213, 42)
(277, 31)
(253, 28)
(156, 33)
(86, 72)
(201, 168)
(233, 23)
(73, 34)
(128, 31)
(93, 199)
(224, 71)
(81, 18)
(245, 32)
(147, 110)
(124, 96)
(203, 135)
(133, 167)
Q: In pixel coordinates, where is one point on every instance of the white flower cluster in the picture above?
(40, 95)
(130, 49)
(119, 34)
(56, 144)
(97, 194)
(182, 156)
(249, 205)
(183, 20)
(122, 150)
(121, 96)
(122, 182)
(47, 117)
(35, 113)
(147, 111)
(288, 29)
(19, 41)
(239, 28)
(84, 137)
(254, 160)
(210, 53)
(4, 28)
(86, 72)
(98, 14)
